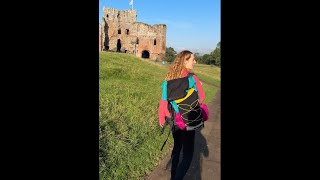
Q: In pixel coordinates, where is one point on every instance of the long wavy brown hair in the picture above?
(178, 65)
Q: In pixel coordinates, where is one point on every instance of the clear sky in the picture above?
(191, 24)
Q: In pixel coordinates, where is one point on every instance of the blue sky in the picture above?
(193, 25)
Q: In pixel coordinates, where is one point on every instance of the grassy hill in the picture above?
(129, 94)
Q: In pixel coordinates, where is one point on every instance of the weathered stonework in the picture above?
(119, 31)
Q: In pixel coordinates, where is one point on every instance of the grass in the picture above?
(210, 92)
(212, 71)
(207, 73)
(129, 94)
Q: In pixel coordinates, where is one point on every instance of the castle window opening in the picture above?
(118, 45)
(154, 42)
(107, 15)
(137, 40)
(127, 31)
(119, 31)
(145, 54)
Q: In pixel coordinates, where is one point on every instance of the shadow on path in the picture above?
(200, 150)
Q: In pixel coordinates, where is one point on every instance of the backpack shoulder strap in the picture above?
(192, 82)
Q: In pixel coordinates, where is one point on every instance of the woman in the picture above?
(181, 67)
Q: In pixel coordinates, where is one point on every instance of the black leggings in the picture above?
(183, 139)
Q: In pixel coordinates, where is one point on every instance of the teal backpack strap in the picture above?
(164, 90)
(175, 106)
(192, 82)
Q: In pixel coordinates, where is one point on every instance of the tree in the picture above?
(198, 58)
(207, 59)
(216, 54)
(170, 54)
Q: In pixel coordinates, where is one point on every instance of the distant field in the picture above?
(212, 71)
(207, 73)
(129, 94)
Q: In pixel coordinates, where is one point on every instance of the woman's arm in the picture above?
(163, 111)
(163, 105)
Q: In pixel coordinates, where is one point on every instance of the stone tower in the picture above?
(120, 32)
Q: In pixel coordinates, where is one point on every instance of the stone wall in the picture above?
(100, 39)
(120, 32)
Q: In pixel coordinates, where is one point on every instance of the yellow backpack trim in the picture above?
(182, 99)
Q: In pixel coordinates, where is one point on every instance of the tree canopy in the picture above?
(212, 58)
(170, 54)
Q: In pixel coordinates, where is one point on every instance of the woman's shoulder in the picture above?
(193, 75)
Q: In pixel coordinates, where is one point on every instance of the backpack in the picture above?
(184, 105)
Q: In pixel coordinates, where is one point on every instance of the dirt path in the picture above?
(206, 160)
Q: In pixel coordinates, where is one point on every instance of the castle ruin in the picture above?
(119, 32)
